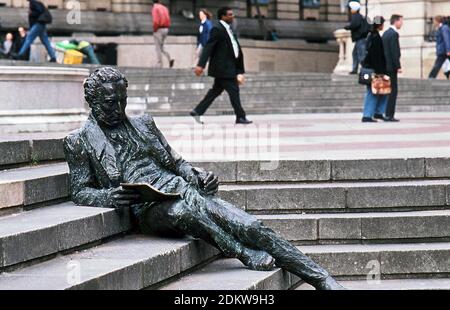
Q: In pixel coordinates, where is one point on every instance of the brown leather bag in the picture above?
(381, 84)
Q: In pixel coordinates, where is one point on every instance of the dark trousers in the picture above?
(229, 229)
(392, 101)
(231, 86)
(359, 53)
(437, 66)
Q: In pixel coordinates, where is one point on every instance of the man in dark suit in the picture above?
(392, 52)
(226, 65)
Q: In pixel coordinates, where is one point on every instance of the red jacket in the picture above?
(161, 17)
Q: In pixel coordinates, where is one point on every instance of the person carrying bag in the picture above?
(374, 75)
(39, 17)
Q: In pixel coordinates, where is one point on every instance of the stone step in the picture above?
(231, 274)
(356, 108)
(283, 81)
(361, 227)
(339, 197)
(291, 92)
(132, 262)
(30, 149)
(394, 284)
(265, 87)
(45, 231)
(408, 260)
(383, 260)
(27, 186)
(290, 99)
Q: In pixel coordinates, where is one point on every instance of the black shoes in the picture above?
(172, 62)
(368, 120)
(197, 117)
(391, 119)
(53, 60)
(379, 116)
(243, 121)
(353, 72)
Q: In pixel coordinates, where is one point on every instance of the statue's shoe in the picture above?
(257, 260)
(329, 284)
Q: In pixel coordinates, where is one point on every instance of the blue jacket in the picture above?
(205, 30)
(443, 40)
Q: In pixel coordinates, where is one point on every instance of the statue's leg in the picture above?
(252, 232)
(176, 218)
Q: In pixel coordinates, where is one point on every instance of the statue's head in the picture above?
(105, 91)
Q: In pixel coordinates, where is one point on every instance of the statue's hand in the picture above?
(210, 184)
(121, 198)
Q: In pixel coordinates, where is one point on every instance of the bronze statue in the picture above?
(112, 149)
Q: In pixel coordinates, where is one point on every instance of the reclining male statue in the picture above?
(112, 149)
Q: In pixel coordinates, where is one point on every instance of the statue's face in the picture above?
(110, 111)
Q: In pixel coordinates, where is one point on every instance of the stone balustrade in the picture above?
(343, 38)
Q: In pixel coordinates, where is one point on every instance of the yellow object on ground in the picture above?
(72, 57)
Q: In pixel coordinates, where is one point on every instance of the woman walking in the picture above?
(375, 105)
(204, 30)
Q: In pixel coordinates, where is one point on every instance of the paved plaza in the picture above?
(309, 136)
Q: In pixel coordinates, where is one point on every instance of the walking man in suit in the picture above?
(391, 44)
(442, 45)
(226, 65)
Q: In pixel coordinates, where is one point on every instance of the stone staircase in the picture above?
(177, 92)
(360, 219)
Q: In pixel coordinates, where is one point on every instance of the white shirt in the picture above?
(233, 39)
(395, 28)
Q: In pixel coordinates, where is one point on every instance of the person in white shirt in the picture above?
(391, 44)
(226, 65)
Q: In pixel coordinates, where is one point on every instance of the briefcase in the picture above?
(381, 84)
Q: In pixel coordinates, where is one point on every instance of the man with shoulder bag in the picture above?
(39, 17)
(374, 75)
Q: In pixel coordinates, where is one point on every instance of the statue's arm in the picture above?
(82, 186)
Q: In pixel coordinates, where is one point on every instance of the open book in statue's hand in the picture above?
(148, 193)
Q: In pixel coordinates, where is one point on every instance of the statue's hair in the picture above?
(95, 80)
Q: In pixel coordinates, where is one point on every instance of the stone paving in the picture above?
(309, 136)
(300, 137)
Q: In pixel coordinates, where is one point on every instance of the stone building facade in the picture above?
(327, 10)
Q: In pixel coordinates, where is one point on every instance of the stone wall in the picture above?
(283, 55)
(281, 9)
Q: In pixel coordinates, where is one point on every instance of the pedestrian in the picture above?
(7, 46)
(87, 49)
(391, 43)
(360, 29)
(20, 41)
(161, 25)
(39, 17)
(226, 65)
(204, 30)
(442, 45)
(376, 60)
